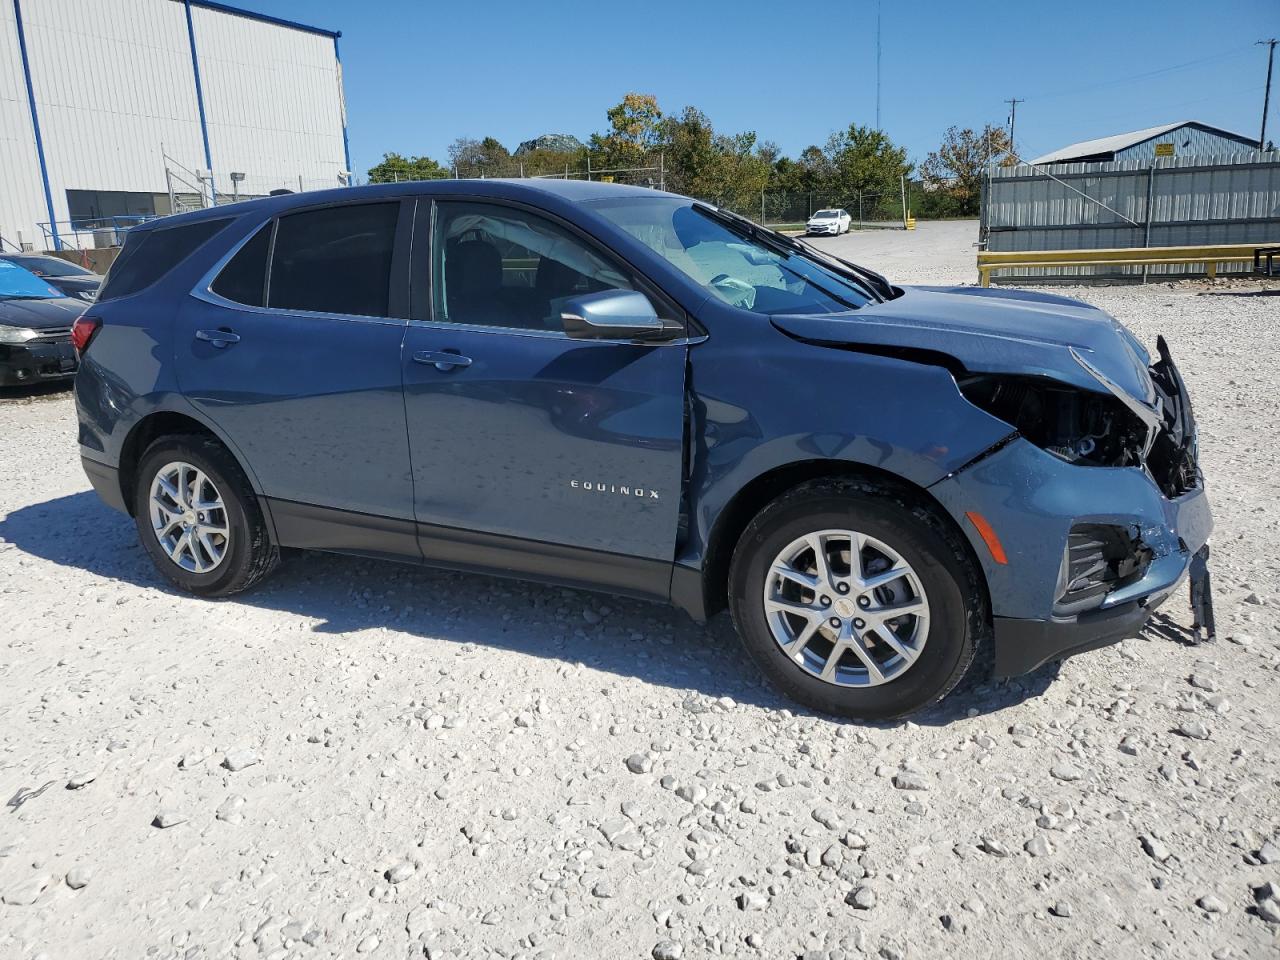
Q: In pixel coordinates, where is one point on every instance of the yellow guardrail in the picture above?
(1210, 256)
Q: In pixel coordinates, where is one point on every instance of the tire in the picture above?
(248, 554)
(940, 571)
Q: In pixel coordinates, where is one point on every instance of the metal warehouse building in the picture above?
(1186, 138)
(116, 110)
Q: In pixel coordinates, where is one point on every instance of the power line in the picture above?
(1172, 68)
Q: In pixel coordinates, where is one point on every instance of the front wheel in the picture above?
(856, 601)
(199, 519)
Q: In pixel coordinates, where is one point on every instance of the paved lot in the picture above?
(438, 762)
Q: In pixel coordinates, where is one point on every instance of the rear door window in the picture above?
(244, 278)
(335, 260)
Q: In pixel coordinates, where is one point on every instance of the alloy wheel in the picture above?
(846, 608)
(189, 517)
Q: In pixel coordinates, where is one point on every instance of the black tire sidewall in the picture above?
(949, 645)
(212, 460)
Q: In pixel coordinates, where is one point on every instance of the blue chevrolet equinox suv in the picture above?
(626, 390)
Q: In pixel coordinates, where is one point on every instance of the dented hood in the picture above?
(993, 331)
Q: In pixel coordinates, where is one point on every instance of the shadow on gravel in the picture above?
(1239, 293)
(80, 531)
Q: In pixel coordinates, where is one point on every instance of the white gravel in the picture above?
(444, 765)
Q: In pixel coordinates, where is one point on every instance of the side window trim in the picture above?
(397, 294)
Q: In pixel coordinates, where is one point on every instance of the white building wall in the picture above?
(22, 203)
(271, 98)
(115, 89)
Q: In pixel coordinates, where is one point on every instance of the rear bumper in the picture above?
(106, 483)
(24, 364)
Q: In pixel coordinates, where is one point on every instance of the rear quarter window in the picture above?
(150, 254)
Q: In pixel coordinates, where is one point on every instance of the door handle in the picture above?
(442, 360)
(221, 338)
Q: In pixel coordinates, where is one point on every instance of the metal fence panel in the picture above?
(1177, 201)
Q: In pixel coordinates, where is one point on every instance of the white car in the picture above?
(834, 221)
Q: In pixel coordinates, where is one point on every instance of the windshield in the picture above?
(19, 284)
(731, 264)
(50, 267)
(825, 215)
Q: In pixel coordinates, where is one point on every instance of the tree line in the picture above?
(684, 152)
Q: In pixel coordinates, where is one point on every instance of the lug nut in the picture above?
(842, 588)
(864, 602)
(835, 622)
(825, 601)
(859, 623)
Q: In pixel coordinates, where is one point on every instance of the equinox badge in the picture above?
(621, 490)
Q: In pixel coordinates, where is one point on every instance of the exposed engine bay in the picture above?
(1098, 429)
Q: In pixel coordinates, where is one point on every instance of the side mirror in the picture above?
(613, 315)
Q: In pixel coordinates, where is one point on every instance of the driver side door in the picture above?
(535, 453)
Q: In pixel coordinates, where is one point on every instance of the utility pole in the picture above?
(1013, 116)
(878, 127)
(1266, 97)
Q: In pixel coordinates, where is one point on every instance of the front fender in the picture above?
(762, 407)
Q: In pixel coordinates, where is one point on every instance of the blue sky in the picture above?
(419, 74)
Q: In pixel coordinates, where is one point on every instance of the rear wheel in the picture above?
(855, 600)
(199, 519)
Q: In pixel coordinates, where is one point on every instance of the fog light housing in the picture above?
(1098, 559)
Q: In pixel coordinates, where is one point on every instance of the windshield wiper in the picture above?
(883, 288)
(875, 284)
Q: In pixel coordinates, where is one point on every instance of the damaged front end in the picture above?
(1102, 429)
(1121, 539)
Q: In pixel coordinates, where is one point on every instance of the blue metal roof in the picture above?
(264, 17)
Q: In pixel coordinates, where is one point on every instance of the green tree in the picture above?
(859, 159)
(955, 170)
(479, 158)
(397, 169)
(635, 125)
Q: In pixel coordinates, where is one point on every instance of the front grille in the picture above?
(53, 335)
(1099, 558)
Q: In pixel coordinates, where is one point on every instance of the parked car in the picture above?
(615, 388)
(833, 222)
(74, 281)
(35, 328)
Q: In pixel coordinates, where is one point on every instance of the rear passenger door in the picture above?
(533, 452)
(293, 351)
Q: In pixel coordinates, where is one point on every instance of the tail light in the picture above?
(83, 331)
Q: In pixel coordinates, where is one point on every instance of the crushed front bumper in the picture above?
(36, 362)
(1032, 500)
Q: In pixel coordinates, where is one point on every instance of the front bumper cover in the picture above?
(1032, 499)
(36, 362)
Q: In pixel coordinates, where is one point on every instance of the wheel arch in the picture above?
(153, 426)
(762, 490)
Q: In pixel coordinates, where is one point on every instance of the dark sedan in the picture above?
(35, 328)
(74, 281)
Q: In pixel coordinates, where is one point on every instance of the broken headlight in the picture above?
(1078, 426)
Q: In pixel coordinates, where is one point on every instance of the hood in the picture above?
(993, 331)
(41, 314)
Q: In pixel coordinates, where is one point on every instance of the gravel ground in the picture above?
(369, 758)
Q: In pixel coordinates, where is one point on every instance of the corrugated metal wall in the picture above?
(21, 190)
(1082, 206)
(1187, 142)
(271, 101)
(115, 89)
